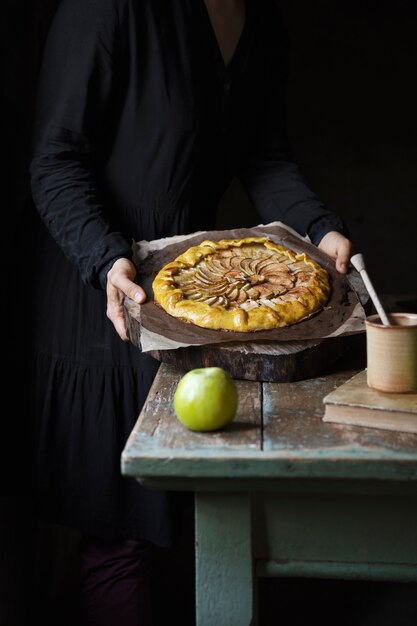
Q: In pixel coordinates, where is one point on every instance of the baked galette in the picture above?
(241, 285)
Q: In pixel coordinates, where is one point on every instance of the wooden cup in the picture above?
(392, 353)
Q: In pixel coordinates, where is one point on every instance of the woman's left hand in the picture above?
(339, 248)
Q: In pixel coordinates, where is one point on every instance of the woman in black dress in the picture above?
(146, 111)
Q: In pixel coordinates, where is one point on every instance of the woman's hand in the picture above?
(120, 284)
(338, 247)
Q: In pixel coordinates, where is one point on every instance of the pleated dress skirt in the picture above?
(87, 390)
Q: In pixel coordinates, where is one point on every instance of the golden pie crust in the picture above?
(241, 285)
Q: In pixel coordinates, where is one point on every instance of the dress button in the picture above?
(227, 86)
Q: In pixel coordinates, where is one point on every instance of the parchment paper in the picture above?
(343, 314)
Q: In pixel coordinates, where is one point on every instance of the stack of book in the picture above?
(357, 404)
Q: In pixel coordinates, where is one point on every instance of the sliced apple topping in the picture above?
(242, 285)
(243, 276)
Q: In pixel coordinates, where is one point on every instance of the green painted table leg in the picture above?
(224, 566)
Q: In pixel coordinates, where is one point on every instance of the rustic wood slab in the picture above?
(263, 361)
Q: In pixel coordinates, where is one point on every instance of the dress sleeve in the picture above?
(73, 112)
(272, 178)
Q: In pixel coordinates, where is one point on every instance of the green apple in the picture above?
(206, 399)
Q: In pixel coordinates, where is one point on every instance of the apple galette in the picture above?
(241, 285)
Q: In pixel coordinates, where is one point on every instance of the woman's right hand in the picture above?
(120, 283)
(339, 248)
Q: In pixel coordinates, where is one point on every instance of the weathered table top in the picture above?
(278, 433)
(279, 492)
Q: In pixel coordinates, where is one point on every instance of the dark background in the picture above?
(352, 120)
(352, 105)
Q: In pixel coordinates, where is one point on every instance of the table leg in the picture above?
(224, 564)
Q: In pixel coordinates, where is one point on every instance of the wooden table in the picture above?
(280, 492)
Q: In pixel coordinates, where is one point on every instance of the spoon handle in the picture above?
(358, 263)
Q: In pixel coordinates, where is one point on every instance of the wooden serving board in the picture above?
(267, 362)
(259, 362)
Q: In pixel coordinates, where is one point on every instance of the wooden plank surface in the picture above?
(292, 419)
(159, 428)
(158, 432)
(278, 433)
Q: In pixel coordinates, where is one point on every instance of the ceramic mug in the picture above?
(392, 353)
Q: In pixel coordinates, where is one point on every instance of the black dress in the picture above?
(140, 127)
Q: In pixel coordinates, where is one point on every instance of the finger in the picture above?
(120, 327)
(117, 317)
(129, 288)
(343, 255)
(341, 266)
(114, 296)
